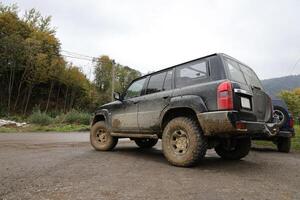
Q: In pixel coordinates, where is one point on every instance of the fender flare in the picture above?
(193, 102)
(104, 113)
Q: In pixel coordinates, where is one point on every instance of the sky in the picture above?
(155, 34)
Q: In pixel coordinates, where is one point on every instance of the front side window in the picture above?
(251, 77)
(235, 71)
(135, 89)
(191, 74)
(156, 83)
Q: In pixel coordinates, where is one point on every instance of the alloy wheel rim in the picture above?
(279, 115)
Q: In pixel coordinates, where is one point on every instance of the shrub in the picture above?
(75, 117)
(37, 117)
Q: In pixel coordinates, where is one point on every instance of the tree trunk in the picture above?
(28, 98)
(57, 97)
(10, 87)
(66, 97)
(19, 89)
(51, 87)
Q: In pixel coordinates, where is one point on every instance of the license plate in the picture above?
(245, 103)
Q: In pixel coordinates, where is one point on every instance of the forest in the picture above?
(35, 75)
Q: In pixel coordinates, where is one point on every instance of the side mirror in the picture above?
(117, 96)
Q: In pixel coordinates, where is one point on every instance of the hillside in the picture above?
(274, 85)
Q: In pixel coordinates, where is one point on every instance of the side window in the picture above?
(251, 77)
(235, 71)
(156, 83)
(135, 89)
(168, 80)
(191, 74)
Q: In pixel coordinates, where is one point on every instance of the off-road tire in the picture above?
(239, 151)
(284, 145)
(196, 143)
(104, 143)
(145, 143)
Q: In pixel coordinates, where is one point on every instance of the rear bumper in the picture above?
(225, 123)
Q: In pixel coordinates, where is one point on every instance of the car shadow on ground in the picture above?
(264, 149)
(210, 162)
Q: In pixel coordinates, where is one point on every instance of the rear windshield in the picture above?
(251, 77)
(235, 71)
(242, 74)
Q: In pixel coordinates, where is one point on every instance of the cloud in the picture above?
(151, 35)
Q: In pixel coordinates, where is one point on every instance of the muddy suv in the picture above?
(210, 102)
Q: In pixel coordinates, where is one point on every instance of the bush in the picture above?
(37, 117)
(75, 117)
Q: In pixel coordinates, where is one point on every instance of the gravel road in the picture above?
(64, 166)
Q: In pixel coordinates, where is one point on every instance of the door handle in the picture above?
(166, 97)
(135, 102)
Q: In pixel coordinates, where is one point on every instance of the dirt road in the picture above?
(64, 166)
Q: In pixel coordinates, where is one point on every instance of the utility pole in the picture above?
(113, 80)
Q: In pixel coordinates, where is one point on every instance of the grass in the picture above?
(46, 128)
(295, 141)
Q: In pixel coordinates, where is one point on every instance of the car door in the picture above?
(124, 119)
(157, 97)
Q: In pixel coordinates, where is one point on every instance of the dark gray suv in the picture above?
(210, 102)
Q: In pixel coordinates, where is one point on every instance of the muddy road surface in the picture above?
(64, 166)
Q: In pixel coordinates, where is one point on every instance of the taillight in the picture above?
(291, 122)
(224, 95)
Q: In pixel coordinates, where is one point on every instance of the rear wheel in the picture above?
(183, 142)
(284, 145)
(101, 139)
(236, 150)
(146, 142)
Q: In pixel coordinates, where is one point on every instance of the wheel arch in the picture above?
(101, 115)
(186, 105)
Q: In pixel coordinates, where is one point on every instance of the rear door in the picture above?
(249, 96)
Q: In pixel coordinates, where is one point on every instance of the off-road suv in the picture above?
(210, 102)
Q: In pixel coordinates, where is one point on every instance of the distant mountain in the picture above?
(274, 85)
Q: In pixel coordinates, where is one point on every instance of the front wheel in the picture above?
(146, 143)
(183, 142)
(101, 139)
(236, 150)
(284, 145)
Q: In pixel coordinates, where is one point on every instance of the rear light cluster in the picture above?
(224, 96)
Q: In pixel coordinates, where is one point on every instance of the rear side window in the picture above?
(235, 71)
(191, 74)
(251, 77)
(156, 83)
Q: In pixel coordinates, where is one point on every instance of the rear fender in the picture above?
(193, 102)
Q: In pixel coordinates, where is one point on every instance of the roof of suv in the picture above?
(181, 64)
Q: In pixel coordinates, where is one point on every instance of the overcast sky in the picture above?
(154, 34)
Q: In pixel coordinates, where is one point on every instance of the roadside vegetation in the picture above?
(35, 74)
(58, 122)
